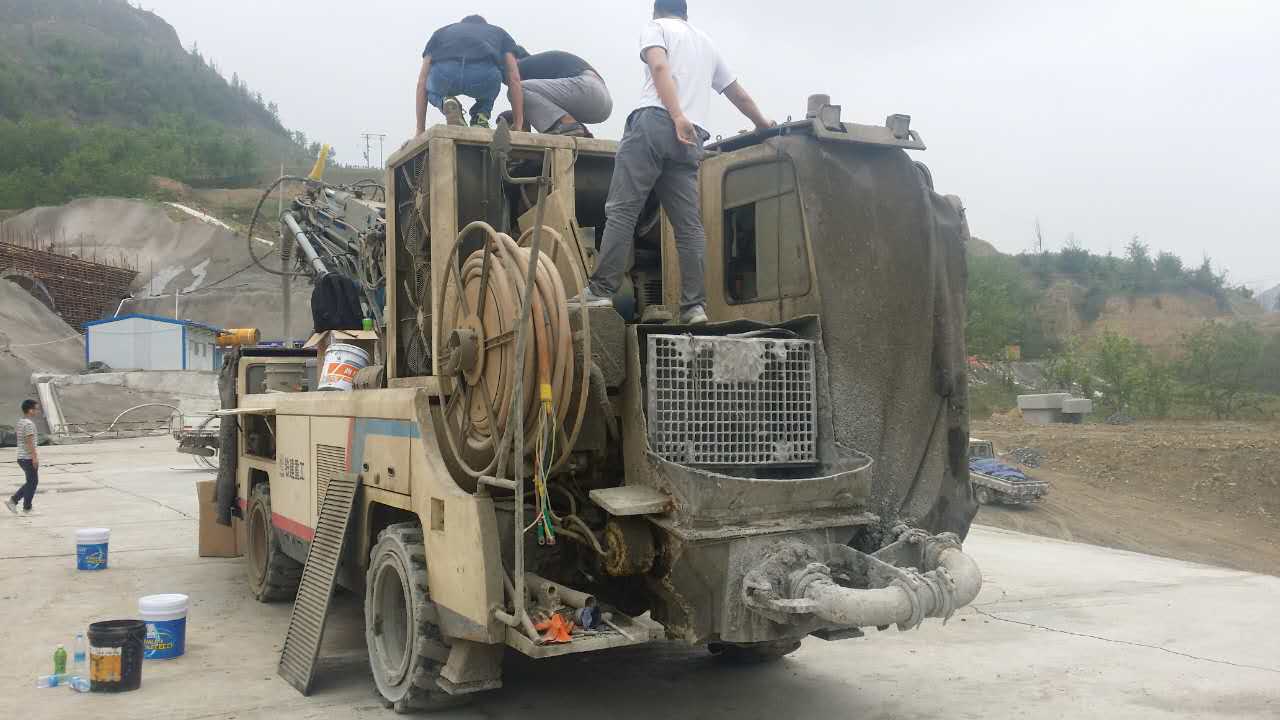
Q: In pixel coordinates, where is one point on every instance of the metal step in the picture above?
(311, 608)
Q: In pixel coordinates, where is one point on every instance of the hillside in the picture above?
(97, 96)
(1153, 299)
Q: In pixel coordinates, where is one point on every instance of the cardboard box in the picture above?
(214, 540)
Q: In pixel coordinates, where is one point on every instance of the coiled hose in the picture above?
(477, 327)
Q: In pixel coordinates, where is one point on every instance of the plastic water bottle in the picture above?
(60, 661)
(80, 657)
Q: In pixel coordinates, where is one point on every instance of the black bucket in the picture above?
(115, 655)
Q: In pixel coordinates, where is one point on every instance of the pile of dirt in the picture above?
(1202, 491)
(32, 339)
(207, 266)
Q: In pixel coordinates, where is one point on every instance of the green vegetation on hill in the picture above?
(96, 96)
(1005, 290)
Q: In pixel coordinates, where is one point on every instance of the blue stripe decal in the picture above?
(365, 427)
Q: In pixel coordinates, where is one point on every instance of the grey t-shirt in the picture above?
(26, 429)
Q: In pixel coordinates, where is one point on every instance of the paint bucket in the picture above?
(115, 655)
(91, 548)
(341, 363)
(166, 619)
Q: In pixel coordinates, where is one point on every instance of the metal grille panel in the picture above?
(330, 460)
(311, 607)
(729, 402)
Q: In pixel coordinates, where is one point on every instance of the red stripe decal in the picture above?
(293, 527)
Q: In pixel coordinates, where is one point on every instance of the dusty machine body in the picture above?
(797, 467)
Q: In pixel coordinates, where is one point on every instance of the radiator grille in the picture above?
(330, 460)
(722, 401)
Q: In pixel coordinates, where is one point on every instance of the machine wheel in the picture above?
(273, 575)
(406, 648)
(753, 653)
(983, 496)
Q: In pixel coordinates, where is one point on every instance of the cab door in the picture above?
(757, 260)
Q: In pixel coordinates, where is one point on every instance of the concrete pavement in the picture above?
(1061, 630)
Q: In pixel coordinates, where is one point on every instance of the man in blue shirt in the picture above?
(469, 58)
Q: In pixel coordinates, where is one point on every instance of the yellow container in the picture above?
(238, 337)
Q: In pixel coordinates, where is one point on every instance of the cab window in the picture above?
(764, 242)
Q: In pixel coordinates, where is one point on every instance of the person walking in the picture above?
(470, 58)
(660, 151)
(562, 94)
(28, 456)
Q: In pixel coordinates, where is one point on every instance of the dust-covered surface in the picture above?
(32, 339)
(208, 266)
(892, 280)
(1202, 491)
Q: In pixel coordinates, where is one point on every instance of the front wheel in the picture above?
(406, 648)
(273, 575)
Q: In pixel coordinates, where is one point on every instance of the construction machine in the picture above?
(515, 472)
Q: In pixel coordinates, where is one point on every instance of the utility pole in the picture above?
(368, 149)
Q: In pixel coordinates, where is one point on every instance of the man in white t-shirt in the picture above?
(28, 438)
(660, 152)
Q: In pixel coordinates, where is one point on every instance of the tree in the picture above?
(1118, 364)
(1169, 272)
(1141, 270)
(999, 307)
(1158, 388)
(1224, 367)
(1068, 369)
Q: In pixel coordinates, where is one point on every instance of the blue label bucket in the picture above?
(166, 619)
(91, 548)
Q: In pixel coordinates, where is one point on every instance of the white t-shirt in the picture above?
(695, 64)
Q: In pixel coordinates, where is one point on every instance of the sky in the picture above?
(1099, 120)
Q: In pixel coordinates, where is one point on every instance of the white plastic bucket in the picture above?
(166, 619)
(341, 363)
(91, 548)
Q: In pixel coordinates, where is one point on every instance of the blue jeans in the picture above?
(477, 79)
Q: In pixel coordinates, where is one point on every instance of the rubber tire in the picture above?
(754, 653)
(983, 496)
(273, 575)
(407, 651)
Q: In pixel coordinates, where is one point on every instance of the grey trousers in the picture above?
(585, 97)
(652, 159)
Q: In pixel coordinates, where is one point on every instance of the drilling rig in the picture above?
(536, 475)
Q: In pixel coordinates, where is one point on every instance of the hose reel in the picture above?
(480, 297)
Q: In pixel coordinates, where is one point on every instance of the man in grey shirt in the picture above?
(28, 457)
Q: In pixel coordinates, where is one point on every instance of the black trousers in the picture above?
(28, 490)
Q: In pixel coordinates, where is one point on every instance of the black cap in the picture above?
(679, 8)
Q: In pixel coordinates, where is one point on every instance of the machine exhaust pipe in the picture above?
(919, 576)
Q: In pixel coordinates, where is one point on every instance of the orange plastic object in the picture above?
(556, 629)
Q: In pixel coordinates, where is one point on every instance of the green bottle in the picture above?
(60, 661)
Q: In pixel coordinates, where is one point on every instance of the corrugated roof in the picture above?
(157, 318)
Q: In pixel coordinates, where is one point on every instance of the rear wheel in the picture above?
(983, 496)
(272, 574)
(406, 648)
(753, 653)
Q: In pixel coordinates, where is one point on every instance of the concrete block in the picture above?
(1042, 417)
(1077, 406)
(1050, 401)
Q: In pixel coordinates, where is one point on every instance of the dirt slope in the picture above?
(1207, 491)
(32, 339)
(174, 254)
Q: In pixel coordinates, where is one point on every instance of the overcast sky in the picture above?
(1103, 120)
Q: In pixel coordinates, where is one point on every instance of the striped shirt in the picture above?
(26, 429)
